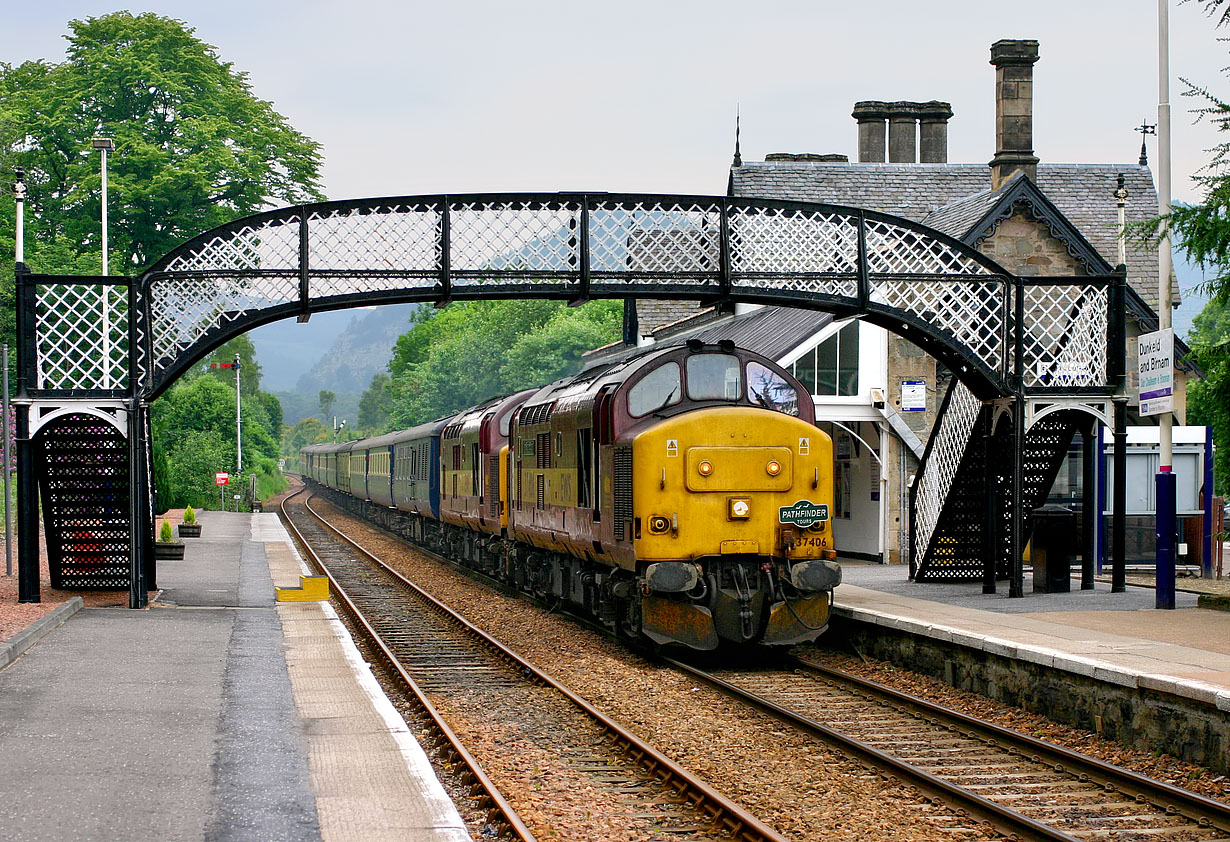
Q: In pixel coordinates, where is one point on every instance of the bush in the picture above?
(165, 536)
(189, 515)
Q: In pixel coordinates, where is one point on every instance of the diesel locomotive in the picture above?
(681, 494)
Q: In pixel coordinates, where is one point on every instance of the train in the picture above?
(680, 494)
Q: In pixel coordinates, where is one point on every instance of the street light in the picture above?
(105, 145)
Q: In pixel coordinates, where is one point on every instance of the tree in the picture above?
(326, 400)
(1208, 401)
(193, 146)
(376, 404)
(447, 361)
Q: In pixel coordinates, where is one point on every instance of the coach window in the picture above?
(657, 389)
(767, 388)
(713, 377)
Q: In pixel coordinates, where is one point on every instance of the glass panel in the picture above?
(767, 388)
(826, 367)
(805, 370)
(847, 361)
(713, 377)
(656, 390)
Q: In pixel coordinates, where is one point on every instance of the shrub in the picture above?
(189, 515)
(165, 536)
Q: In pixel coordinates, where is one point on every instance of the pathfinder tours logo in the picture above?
(803, 514)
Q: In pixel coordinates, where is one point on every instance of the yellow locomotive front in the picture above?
(731, 527)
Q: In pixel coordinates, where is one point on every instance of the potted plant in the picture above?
(166, 548)
(189, 528)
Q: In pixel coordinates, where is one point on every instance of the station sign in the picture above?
(1155, 362)
(222, 478)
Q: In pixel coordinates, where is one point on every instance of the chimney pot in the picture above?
(933, 120)
(1014, 72)
(902, 117)
(870, 115)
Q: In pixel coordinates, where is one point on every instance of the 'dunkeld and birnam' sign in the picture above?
(1155, 358)
(803, 514)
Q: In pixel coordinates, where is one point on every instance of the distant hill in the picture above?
(361, 350)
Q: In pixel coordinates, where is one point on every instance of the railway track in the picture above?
(1020, 785)
(482, 694)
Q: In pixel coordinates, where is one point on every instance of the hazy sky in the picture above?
(415, 97)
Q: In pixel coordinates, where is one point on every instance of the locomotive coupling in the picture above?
(815, 575)
(672, 576)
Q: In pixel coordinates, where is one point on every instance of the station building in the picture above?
(879, 394)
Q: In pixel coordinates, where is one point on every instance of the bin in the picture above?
(1050, 548)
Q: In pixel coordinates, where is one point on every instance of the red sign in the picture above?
(222, 479)
(221, 365)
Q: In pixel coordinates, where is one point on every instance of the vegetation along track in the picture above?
(505, 710)
(1021, 785)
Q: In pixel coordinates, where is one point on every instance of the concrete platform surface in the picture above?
(217, 714)
(1119, 638)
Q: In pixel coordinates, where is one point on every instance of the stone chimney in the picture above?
(933, 120)
(871, 116)
(1014, 110)
(906, 122)
(902, 130)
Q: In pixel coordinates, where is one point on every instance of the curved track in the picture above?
(456, 670)
(1021, 785)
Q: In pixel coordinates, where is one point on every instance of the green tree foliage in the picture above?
(1208, 401)
(194, 436)
(470, 351)
(325, 400)
(308, 431)
(376, 405)
(193, 146)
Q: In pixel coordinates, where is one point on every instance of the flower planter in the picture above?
(190, 530)
(173, 551)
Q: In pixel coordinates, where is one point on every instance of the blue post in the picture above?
(1206, 503)
(1166, 536)
(1101, 515)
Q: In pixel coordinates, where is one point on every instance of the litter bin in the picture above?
(1050, 548)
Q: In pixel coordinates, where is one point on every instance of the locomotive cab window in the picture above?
(767, 388)
(713, 377)
(658, 389)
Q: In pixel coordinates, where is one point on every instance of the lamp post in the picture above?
(238, 424)
(105, 145)
(1165, 478)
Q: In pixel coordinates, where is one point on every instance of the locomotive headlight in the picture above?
(705, 467)
(738, 508)
(659, 525)
(774, 467)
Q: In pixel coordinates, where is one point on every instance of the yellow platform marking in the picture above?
(311, 589)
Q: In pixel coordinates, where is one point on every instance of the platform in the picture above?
(215, 714)
(1115, 637)
(1107, 662)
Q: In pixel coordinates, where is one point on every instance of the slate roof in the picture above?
(771, 331)
(947, 196)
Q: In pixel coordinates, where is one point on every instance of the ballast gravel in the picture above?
(803, 789)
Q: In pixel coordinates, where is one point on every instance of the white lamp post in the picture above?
(105, 145)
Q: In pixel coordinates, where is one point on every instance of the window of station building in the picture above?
(767, 388)
(713, 377)
(831, 368)
(658, 389)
